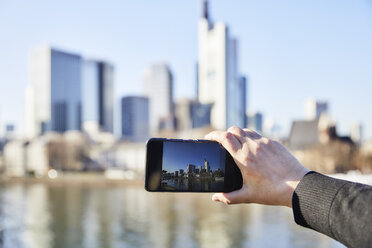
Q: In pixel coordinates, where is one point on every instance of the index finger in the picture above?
(226, 139)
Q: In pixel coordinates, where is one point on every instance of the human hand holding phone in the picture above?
(270, 173)
(174, 165)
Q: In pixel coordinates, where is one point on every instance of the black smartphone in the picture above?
(174, 165)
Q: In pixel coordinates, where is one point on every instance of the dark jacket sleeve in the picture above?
(340, 209)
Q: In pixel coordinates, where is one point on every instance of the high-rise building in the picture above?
(218, 80)
(158, 87)
(190, 168)
(254, 121)
(98, 94)
(9, 128)
(135, 118)
(207, 167)
(9, 131)
(56, 83)
(314, 108)
(192, 114)
(242, 102)
(200, 114)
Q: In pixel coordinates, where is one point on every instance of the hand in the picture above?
(270, 172)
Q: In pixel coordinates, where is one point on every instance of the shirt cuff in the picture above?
(312, 201)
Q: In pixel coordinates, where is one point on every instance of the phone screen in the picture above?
(190, 166)
(194, 167)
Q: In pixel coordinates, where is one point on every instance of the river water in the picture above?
(84, 215)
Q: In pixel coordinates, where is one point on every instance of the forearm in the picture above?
(337, 208)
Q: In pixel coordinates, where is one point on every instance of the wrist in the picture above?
(292, 185)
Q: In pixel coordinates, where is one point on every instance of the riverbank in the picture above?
(99, 179)
(96, 179)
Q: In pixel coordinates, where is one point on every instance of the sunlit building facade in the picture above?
(314, 108)
(218, 79)
(192, 114)
(56, 83)
(158, 87)
(255, 121)
(98, 94)
(135, 118)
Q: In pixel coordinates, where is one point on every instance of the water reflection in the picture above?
(193, 184)
(43, 215)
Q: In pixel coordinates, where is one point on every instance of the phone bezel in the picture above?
(154, 155)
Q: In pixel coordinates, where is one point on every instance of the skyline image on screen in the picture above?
(190, 166)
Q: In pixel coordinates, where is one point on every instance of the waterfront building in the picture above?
(158, 87)
(98, 94)
(56, 82)
(255, 121)
(356, 133)
(15, 158)
(192, 114)
(305, 134)
(242, 102)
(135, 118)
(128, 156)
(190, 168)
(218, 80)
(9, 128)
(207, 167)
(10, 131)
(314, 109)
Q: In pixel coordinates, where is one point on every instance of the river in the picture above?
(44, 215)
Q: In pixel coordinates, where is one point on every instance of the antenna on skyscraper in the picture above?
(205, 10)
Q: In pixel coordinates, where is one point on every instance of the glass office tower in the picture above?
(98, 94)
(56, 83)
(135, 118)
(219, 83)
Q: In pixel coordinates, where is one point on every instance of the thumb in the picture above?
(237, 196)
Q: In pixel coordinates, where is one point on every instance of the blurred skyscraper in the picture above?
(242, 101)
(65, 91)
(56, 91)
(314, 108)
(158, 87)
(218, 79)
(9, 131)
(192, 114)
(98, 94)
(135, 118)
(254, 121)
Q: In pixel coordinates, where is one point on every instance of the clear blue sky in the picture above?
(290, 50)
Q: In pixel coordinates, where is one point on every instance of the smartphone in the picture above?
(174, 165)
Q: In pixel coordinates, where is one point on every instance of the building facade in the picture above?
(56, 83)
(218, 79)
(241, 102)
(98, 94)
(135, 118)
(192, 114)
(158, 87)
(314, 109)
(255, 121)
